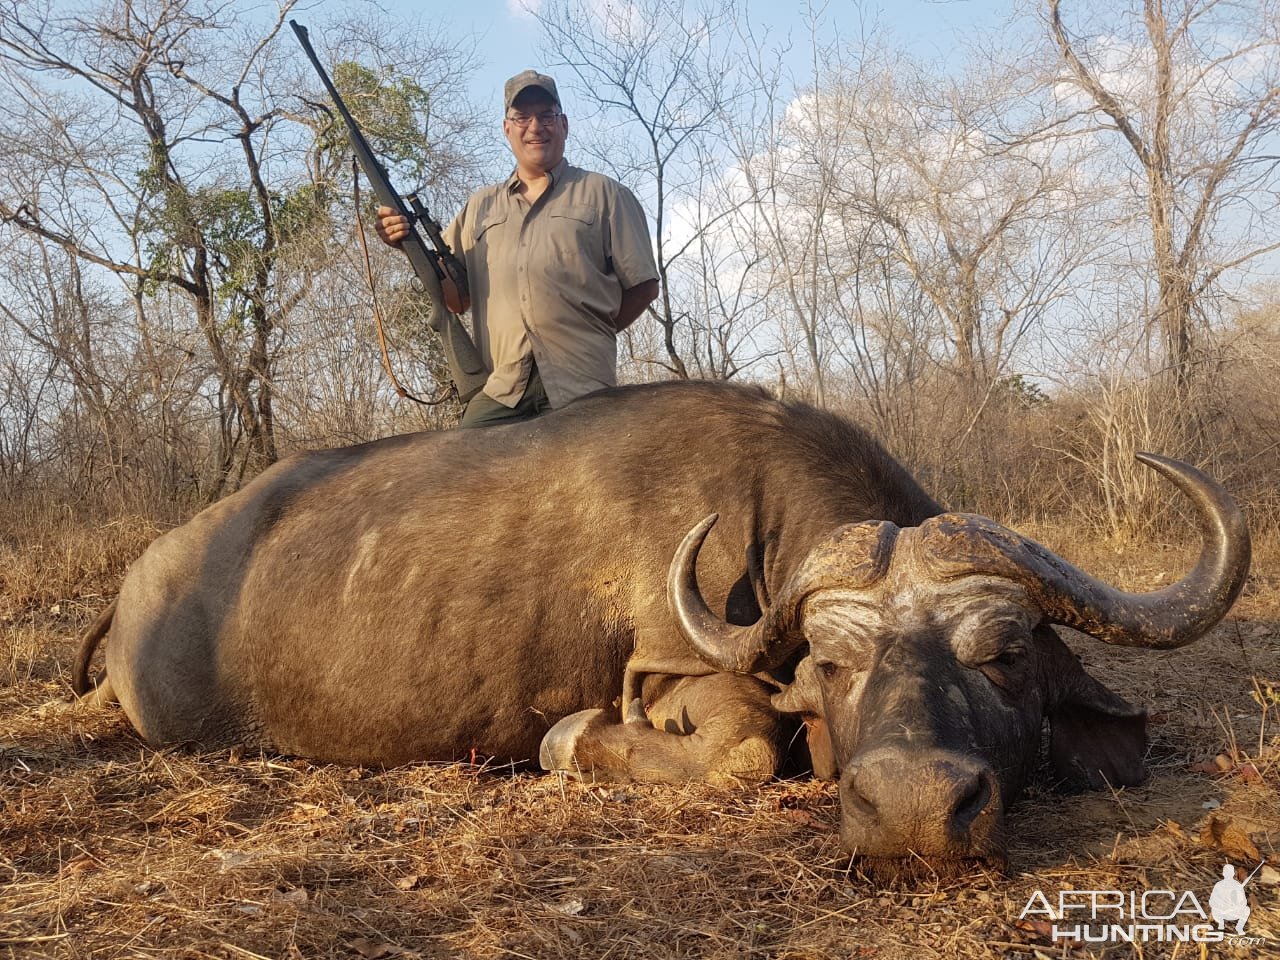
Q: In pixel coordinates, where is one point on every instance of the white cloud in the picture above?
(619, 22)
(524, 9)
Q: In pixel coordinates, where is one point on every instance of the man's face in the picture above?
(539, 146)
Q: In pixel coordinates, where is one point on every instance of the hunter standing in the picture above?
(558, 261)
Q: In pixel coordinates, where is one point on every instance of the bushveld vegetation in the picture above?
(1018, 267)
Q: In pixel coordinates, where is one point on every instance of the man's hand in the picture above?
(391, 228)
(454, 299)
(634, 300)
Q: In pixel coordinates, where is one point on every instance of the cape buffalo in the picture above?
(498, 590)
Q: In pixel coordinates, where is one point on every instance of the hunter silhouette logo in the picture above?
(1146, 916)
(1228, 903)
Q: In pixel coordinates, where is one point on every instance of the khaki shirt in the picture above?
(546, 279)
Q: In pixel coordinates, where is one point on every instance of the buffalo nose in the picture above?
(898, 802)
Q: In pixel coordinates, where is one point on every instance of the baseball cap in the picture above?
(529, 78)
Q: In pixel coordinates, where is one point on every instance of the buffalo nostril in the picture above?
(897, 801)
(972, 800)
(853, 796)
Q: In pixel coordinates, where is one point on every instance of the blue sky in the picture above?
(509, 37)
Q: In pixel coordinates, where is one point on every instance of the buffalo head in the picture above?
(930, 664)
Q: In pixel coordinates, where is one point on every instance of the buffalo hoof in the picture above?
(560, 742)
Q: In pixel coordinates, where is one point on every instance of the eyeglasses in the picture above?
(546, 118)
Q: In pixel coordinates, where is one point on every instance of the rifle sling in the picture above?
(377, 309)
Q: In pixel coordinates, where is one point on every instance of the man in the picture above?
(558, 261)
(1227, 902)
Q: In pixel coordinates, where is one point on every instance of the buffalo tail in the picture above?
(89, 643)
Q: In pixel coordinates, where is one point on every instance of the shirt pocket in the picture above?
(580, 212)
(575, 235)
(488, 222)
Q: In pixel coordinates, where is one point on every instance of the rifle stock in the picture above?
(466, 366)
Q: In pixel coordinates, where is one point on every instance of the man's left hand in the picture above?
(634, 300)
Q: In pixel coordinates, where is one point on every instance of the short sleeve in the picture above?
(455, 236)
(452, 232)
(630, 246)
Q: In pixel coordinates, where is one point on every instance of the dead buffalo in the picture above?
(426, 596)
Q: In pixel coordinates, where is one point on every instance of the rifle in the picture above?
(1255, 871)
(466, 366)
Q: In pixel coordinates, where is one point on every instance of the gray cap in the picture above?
(529, 78)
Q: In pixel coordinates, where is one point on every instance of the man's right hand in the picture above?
(391, 227)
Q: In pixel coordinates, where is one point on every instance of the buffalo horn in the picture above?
(1163, 620)
(726, 647)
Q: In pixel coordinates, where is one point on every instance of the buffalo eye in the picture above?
(828, 670)
(1003, 669)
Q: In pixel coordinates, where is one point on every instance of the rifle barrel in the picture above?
(1255, 871)
(466, 366)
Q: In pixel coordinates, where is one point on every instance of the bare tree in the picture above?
(791, 156)
(164, 142)
(1192, 90)
(660, 76)
(113, 415)
(977, 193)
(922, 226)
(212, 237)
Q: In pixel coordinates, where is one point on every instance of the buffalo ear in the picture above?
(803, 696)
(1096, 737)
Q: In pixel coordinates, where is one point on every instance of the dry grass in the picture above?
(109, 848)
(56, 573)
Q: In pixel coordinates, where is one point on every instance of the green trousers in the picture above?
(484, 411)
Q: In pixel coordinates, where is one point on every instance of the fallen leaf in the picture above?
(233, 858)
(571, 907)
(78, 865)
(1043, 928)
(802, 817)
(1222, 766)
(297, 896)
(308, 811)
(1223, 833)
(409, 882)
(376, 949)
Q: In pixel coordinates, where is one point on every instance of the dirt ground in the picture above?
(109, 848)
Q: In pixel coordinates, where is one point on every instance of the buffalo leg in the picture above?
(719, 728)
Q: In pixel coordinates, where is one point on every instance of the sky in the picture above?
(508, 33)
